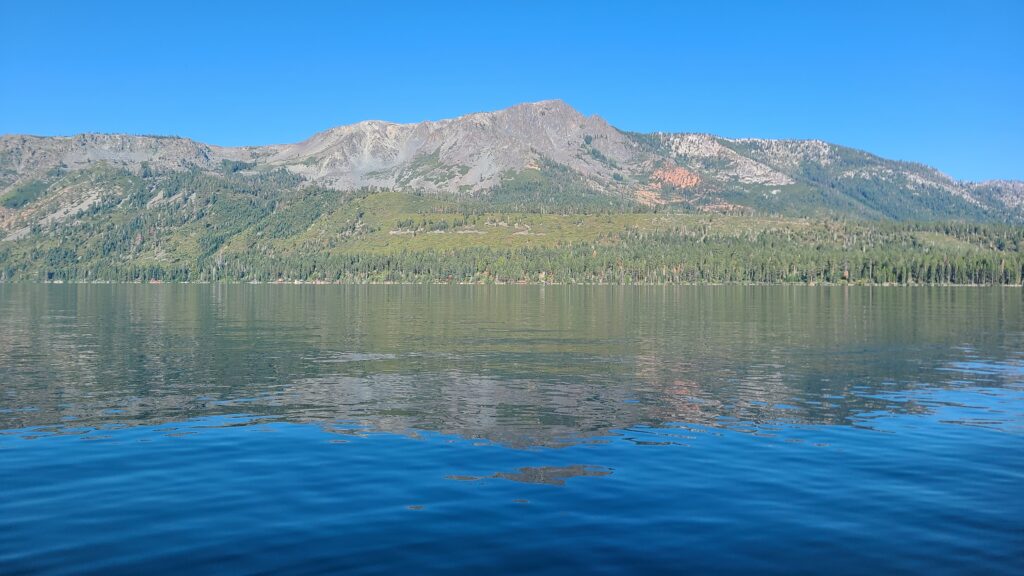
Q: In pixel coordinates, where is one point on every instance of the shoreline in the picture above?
(524, 284)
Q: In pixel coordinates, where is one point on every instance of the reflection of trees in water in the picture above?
(521, 366)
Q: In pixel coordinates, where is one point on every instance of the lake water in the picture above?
(325, 429)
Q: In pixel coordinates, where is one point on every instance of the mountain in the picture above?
(545, 148)
(537, 192)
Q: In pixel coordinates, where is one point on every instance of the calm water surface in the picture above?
(300, 429)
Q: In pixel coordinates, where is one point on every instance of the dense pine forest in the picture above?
(266, 227)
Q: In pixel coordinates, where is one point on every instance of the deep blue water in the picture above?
(774, 430)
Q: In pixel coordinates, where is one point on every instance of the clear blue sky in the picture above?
(937, 82)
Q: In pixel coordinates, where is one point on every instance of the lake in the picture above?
(447, 429)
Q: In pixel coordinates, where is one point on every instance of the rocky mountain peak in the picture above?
(471, 152)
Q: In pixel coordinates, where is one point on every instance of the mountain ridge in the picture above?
(475, 155)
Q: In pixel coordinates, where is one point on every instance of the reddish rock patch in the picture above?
(680, 177)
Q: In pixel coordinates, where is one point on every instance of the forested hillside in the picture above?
(266, 226)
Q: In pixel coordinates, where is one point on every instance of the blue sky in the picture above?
(936, 82)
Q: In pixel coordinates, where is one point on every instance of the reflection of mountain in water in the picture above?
(517, 365)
